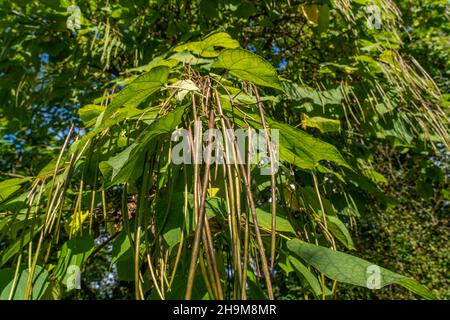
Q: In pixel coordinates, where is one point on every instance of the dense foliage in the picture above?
(88, 113)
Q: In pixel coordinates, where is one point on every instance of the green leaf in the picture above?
(188, 58)
(54, 292)
(248, 66)
(138, 90)
(324, 18)
(375, 176)
(183, 87)
(121, 167)
(156, 62)
(171, 219)
(305, 151)
(8, 187)
(312, 202)
(311, 13)
(265, 221)
(125, 269)
(331, 96)
(323, 124)
(340, 231)
(206, 47)
(308, 276)
(16, 203)
(237, 96)
(346, 268)
(19, 243)
(73, 254)
(295, 146)
(116, 165)
(255, 292)
(121, 246)
(170, 216)
(122, 255)
(40, 282)
(89, 112)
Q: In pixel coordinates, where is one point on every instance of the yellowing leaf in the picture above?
(213, 191)
(311, 13)
(317, 15)
(76, 222)
(323, 124)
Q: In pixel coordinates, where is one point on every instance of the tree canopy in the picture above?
(96, 94)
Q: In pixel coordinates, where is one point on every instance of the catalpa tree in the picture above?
(202, 167)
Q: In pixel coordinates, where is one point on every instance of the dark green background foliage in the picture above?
(370, 104)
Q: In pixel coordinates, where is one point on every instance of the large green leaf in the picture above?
(17, 244)
(138, 90)
(15, 203)
(171, 217)
(8, 187)
(331, 96)
(135, 92)
(89, 112)
(346, 268)
(323, 124)
(119, 168)
(41, 280)
(340, 231)
(156, 62)
(73, 254)
(122, 255)
(310, 278)
(311, 201)
(295, 146)
(206, 47)
(265, 221)
(248, 66)
(305, 151)
(324, 18)
(121, 246)
(188, 58)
